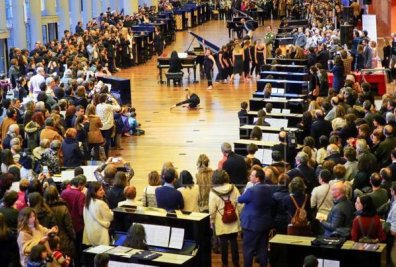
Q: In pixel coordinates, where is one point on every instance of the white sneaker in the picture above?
(210, 88)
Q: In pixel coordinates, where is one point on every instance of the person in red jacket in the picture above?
(367, 222)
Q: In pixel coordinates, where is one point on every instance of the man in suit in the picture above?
(320, 127)
(304, 171)
(235, 166)
(167, 196)
(256, 218)
(333, 152)
(288, 153)
(384, 149)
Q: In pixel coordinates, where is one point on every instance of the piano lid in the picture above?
(243, 14)
(214, 48)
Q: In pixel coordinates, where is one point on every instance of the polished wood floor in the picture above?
(181, 135)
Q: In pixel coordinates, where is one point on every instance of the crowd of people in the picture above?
(55, 114)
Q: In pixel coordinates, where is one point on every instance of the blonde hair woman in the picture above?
(204, 182)
(238, 56)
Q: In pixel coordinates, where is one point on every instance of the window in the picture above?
(3, 56)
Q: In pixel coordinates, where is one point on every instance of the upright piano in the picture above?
(188, 63)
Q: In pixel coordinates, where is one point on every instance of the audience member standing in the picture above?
(167, 196)
(235, 166)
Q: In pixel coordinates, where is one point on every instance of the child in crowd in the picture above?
(134, 124)
(242, 114)
(58, 259)
(38, 257)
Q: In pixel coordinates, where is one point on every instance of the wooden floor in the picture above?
(181, 135)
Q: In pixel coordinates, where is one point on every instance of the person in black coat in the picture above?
(158, 41)
(72, 154)
(281, 218)
(323, 56)
(387, 53)
(9, 251)
(288, 153)
(304, 171)
(192, 100)
(235, 166)
(320, 127)
(333, 152)
(243, 114)
(116, 193)
(175, 64)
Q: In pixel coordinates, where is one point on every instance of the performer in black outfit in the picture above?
(192, 100)
(208, 63)
(158, 42)
(174, 63)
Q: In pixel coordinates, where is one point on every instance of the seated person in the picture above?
(136, 237)
(109, 170)
(192, 100)
(174, 63)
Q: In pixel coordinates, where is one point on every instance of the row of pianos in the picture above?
(191, 15)
(167, 22)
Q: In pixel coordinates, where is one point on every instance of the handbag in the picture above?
(330, 242)
(319, 215)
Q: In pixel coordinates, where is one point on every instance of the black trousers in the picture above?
(208, 73)
(232, 239)
(107, 136)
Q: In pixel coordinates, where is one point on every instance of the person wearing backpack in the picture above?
(224, 215)
(297, 206)
(256, 218)
(366, 226)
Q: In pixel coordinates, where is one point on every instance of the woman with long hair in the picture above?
(44, 213)
(97, 217)
(189, 191)
(259, 55)
(31, 233)
(63, 220)
(136, 237)
(204, 182)
(238, 58)
(367, 222)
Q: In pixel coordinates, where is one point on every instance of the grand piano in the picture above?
(235, 24)
(199, 51)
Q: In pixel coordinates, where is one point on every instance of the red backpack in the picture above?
(229, 213)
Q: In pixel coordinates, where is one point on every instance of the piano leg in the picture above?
(195, 73)
(229, 33)
(160, 75)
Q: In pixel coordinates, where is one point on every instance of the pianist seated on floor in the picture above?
(175, 64)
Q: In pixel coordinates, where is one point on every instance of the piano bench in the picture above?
(177, 78)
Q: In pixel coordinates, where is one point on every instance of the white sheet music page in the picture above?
(177, 238)
(157, 235)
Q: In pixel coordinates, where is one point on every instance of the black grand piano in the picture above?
(235, 24)
(199, 51)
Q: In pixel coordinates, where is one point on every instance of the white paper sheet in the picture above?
(177, 238)
(157, 235)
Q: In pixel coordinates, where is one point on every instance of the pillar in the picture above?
(75, 10)
(130, 6)
(50, 8)
(36, 30)
(3, 21)
(96, 8)
(87, 11)
(64, 16)
(18, 24)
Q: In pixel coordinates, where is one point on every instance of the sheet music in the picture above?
(99, 249)
(281, 91)
(270, 137)
(267, 157)
(177, 238)
(285, 111)
(331, 263)
(119, 250)
(278, 123)
(320, 261)
(182, 55)
(157, 235)
(276, 110)
(126, 264)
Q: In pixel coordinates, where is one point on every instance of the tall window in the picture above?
(3, 56)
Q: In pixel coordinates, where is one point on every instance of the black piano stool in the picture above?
(177, 78)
